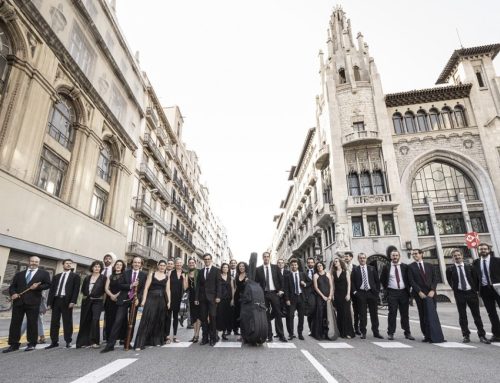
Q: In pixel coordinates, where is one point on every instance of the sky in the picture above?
(245, 76)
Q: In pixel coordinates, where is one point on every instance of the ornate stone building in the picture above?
(415, 169)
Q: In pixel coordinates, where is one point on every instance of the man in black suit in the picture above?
(284, 307)
(365, 285)
(207, 295)
(310, 296)
(348, 257)
(234, 312)
(26, 294)
(465, 283)
(423, 282)
(488, 270)
(271, 281)
(63, 295)
(394, 279)
(134, 278)
(295, 284)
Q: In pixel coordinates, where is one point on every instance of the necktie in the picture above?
(131, 292)
(462, 278)
(28, 276)
(296, 284)
(207, 270)
(61, 284)
(422, 272)
(486, 273)
(396, 271)
(365, 280)
(310, 273)
(268, 285)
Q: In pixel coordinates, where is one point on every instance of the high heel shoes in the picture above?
(195, 339)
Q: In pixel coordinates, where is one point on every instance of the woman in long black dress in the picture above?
(154, 303)
(194, 310)
(175, 286)
(342, 298)
(224, 317)
(239, 286)
(323, 286)
(112, 289)
(92, 304)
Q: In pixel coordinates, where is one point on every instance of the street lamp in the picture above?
(317, 252)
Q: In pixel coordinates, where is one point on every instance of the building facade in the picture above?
(414, 169)
(90, 162)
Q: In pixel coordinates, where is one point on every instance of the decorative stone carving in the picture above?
(33, 42)
(468, 144)
(7, 11)
(340, 237)
(58, 20)
(404, 150)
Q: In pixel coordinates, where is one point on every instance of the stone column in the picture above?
(380, 222)
(437, 238)
(468, 225)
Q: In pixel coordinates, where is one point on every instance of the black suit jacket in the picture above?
(208, 288)
(416, 282)
(289, 284)
(125, 288)
(71, 291)
(97, 290)
(453, 277)
(494, 270)
(260, 277)
(31, 297)
(384, 276)
(357, 279)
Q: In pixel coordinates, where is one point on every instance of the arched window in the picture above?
(410, 122)
(104, 163)
(397, 120)
(378, 182)
(447, 117)
(441, 182)
(357, 74)
(5, 50)
(342, 78)
(435, 119)
(61, 122)
(365, 183)
(353, 182)
(460, 116)
(422, 121)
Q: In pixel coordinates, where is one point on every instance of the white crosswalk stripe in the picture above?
(392, 345)
(228, 345)
(453, 345)
(280, 345)
(178, 345)
(335, 345)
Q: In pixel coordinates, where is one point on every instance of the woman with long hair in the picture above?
(239, 287)
(175, 285)
(154, 303)
(323, 287)
(342, 298)
(224, 318)
(93, 293)
(194, 310)
(112, 289)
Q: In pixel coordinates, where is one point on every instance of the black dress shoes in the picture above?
(10, 349)
(107, 349)
(495, 339)
(390, 337)
(212, 343)
(283, 339)
(483, 339)
(290, 337)
(466, 339)
(52, 345)
(378, 336)
(426, 340)
(301, 337)
(357, 332)
(29, 348)
(68, 344)
(203, 342)
(269, 340)
(409, 337)
(362, 336)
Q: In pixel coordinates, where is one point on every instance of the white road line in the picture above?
(106, 371)
(322, 370)
(178, 345)
(280, 345)
(453, 345)
(391, 344)
(335, 345)
(228, 345)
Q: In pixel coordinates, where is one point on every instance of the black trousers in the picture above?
(120, 329)
(60, 308)
(367, 299)
(172, 321)
(273, 303)
(421, 313)
(462, 300)
(355, 312)
(491, 299)
(18, 312)
(235, 314)
(208, 314)
(297, 303)
(90, 315)
(285, 310)
(398, 300)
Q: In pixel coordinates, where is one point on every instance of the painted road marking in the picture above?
(453, 345)
(319, 367)
(178, 345)
(280, 345)
(392, 345)
(335, 345)
(106, 371)
(228, 344)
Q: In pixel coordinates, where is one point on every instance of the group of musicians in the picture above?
(119, 292)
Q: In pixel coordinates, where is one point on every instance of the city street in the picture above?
(353, 360)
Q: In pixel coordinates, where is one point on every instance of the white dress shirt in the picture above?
(33, 272)
(484, 281)
(361, 268)
(296, 274)
(460, 287)
(393, 283)
(271, 282)
(65, 276)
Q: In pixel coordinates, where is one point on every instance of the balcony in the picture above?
(152, 117)
(157, 156)
(370, 200)
(326, 214)
(182, 237)
(361, 137)
(142, 207)
(176, 204)
(148, 174)
(323, 159)
(162, 136)
(143, 251)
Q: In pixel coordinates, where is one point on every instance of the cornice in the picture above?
(421, 96)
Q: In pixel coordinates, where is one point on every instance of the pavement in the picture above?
(354, 360)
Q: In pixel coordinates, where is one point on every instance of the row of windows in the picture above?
(372, 226)
(446, 118)
(450, 224)
(366, 183)
(356, 72)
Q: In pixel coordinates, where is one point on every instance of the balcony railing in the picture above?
(182, 237)
(143, 251)
(376, 199)
(146, 172)
(323, 159)
(364, 136)
(162, 136)
(177, 204)
(139, 205)
(159, 158)
(152, 116)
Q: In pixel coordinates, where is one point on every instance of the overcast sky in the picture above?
(245, 76)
